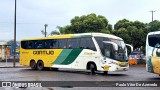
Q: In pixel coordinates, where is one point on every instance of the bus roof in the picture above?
(76, 36)
(156, 32)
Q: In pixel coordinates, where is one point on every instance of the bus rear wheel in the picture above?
(40, 65)
(92, 68)
(33, 65)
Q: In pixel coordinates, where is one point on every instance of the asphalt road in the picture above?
(135, 73)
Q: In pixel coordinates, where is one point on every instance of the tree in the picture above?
(139, 25)
(43, 32)
(55, 33)
(109, 27)
(87, 23)
(133, 33)
(154, 26)
(65, 29)
(123, 33)
(10, 42)
(137, 36)
(124, 23)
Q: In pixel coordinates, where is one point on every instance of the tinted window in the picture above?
(53, 43)
(27, 44)
(24, 44)
(30, 44)
(108, 51)
(50, 44)
(63, 43)
(73, 43)
(87, 43)
(106, 39)
(154, 39)
(39, 44)
(100, 42)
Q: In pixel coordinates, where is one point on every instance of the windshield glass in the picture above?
(121, 53)
(154, 39)
(108, 49)
(120, 43)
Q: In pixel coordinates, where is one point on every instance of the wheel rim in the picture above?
(32, 64)
(40, 65)
(92, 69)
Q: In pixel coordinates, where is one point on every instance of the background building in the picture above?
(5, 50)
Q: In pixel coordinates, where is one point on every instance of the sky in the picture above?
(33, 14)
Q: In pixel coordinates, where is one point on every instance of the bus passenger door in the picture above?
(108, 51)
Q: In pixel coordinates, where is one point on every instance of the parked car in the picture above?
(137, 57)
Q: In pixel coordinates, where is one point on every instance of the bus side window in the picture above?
(46, 43)
(55, 43)
(39, 44)
(87, 43)
(30, 45)
(51, 44)
(100, 43)
(76, 43)
(62, 43)
(73, 43)
(69, 43)
(24, 44)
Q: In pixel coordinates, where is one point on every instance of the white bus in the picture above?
(153, 52)
(86, 51)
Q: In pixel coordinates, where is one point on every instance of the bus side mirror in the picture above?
(130, 47)
(115, 46)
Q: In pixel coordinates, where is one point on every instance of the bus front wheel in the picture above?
(105, 72)
(92, 68)
(40, 65)
(33, 65)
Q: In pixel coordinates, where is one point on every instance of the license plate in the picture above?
(122, 63)
(106, 68)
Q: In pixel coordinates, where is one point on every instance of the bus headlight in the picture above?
(158, 52)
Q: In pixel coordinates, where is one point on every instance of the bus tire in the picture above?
(92, 68)
(33, 65)
(40, 65)
(105, 72)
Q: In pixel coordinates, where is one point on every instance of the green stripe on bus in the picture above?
(63, 55)
(72, 56)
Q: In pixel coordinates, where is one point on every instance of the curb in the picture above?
(13, 67)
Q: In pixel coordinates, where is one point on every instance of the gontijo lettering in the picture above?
(43, 52)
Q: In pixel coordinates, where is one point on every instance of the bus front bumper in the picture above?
(114, 68)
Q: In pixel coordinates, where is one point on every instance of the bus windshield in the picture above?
(154, 39)
(119, 55)
(108, 50)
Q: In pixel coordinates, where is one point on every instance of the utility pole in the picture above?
(45, 32)
(152, 14)
(14, 61)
